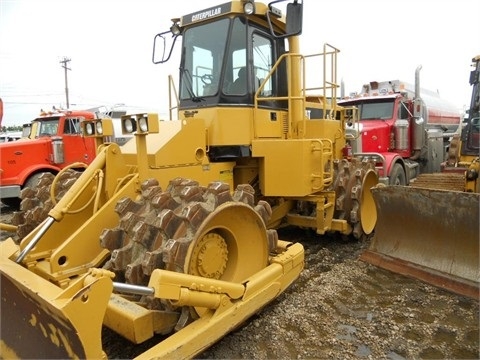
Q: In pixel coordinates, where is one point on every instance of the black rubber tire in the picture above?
(13, 203)
(32, 181)
(397, 175)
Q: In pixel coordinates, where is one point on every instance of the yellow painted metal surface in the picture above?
(57, 323)
(307, 169)
(62, 313)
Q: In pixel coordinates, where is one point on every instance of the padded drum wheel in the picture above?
(36, 199)
(190, 229)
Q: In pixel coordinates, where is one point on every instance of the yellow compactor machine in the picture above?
(172, 236)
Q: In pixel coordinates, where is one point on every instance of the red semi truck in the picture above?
(406, 129)
(55, 141)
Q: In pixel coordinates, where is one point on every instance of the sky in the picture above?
(109, 44)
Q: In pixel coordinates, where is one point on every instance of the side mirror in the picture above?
(160, 45)
(294, 19)
(473, 77)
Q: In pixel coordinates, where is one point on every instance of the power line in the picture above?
(29, 95)
(24, 103)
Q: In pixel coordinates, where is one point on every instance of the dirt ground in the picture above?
(343, 308)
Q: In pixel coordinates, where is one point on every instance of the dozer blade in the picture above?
(431, 235)
(40, 321)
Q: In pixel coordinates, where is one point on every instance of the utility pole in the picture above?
(64, 65)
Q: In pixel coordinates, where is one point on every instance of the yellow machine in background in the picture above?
(461, 170)
(431, 230)
(174, 232)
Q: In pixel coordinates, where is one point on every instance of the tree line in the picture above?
(10, 128)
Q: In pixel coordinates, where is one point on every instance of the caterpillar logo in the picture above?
(206, 14)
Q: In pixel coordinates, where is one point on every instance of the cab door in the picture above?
(76, 147)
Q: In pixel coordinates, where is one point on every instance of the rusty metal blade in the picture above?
(30, 329)
(39, 320)
(428, 234)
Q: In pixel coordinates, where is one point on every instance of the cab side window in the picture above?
(72, 126)
(262, 62)
(236, 72)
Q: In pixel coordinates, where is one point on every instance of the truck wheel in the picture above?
(397, 175)
(32, 181)
(13, 203)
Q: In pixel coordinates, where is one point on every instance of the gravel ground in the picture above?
(343, 308)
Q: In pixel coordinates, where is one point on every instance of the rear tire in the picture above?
(13, 203)
(354, 201)
(32, 181)
(397, 176)
(36, 200)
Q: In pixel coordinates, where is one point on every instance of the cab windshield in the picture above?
(215, 58)
(47, 127)
(203, 50)
(374, 110)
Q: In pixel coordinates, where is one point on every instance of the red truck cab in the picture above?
(55, 141)
(405, 129)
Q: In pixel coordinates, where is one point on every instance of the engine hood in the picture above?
(25, 142)
(375, 136)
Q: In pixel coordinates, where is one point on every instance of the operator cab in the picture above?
(471, 131)
(214, 66)
(227, 52)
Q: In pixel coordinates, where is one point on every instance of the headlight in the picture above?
(249, 8)
(140, 124)
(99, 127)
(175, 29)
(143, 124)
(89, 128)
(129, 125)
